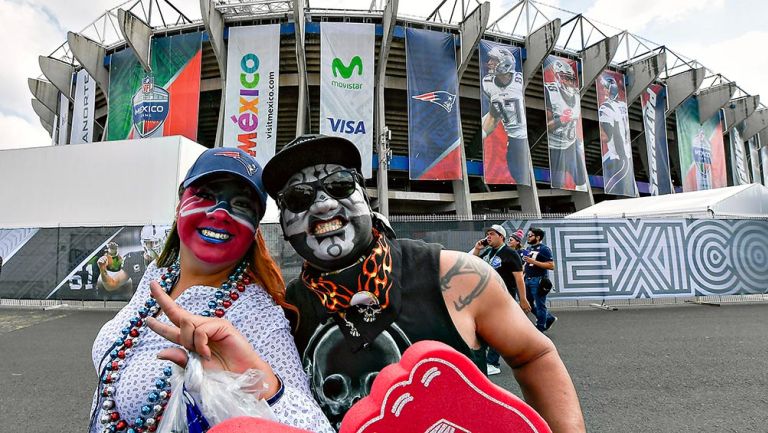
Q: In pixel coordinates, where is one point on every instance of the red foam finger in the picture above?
(435, 389)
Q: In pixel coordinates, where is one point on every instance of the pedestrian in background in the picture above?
(538, 263)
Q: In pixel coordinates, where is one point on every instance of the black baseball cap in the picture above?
(308, 150)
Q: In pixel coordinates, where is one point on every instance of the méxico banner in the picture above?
(654, 103)
(160, 103)
(250, 113)
(502, 107)
(701, 148)
(567, 166)
(615, 143)
(433, 106)
(754, 158)
(346, 85)
(82, 114)
(738, 157)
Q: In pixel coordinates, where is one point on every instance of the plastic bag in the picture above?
(220, 395)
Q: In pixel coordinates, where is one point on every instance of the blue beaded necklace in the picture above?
(154, 406)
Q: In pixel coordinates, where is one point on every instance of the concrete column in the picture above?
(381, 134)
(537, 46)
(712, 99)
(642, 73)
(91, 55)
(754, 124)
(58, 73)
(213, 21)
(681, 86)
(739, 109)
(44, 92)
(138, 35)
(302, 114)
(595, 58)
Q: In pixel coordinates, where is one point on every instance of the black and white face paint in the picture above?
(332, 233)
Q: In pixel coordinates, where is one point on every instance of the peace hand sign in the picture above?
(220, 345)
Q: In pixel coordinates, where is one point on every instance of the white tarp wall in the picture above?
(115, 183)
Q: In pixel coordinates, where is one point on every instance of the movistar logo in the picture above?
(338, 67)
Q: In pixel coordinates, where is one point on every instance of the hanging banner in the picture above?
(754, 158)
(250, 113)
(567, 166)
(654, 103)
(615, 142)
(764, 163)
(738, 157)
(83, 111)
(701, 148)
(63, 119)
(161, 103)
(433, 106)
(502, 106)
(346, 85)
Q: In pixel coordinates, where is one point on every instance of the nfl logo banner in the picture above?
(505, 131)
(618, 171)
(250, 114)
(160, 103)
(82, 114)
(738, 157)
(701, 148)
(562, 103)
(654, 103)
(433, 106)
(346, 85)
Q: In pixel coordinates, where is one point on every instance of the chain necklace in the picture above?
(152, 410)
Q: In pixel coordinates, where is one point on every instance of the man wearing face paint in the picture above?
(378, 291)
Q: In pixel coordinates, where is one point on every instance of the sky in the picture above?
(727, 36)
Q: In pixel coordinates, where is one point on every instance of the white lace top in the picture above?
(254, 314)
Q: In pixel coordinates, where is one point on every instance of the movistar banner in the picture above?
(250, 114)
(84, 109)
(738, 157)
(63, 119)
(654, 103)
(433, 106)
(346, 85)
(701, 149)
(618, 171)
(506, 158)
(565, 136)
(159, 103)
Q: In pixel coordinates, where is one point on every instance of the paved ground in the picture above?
(649, 369)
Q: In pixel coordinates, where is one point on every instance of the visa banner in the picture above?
(654, 103)
(615, 141)
(701, 148)
(253, 81)
(160, 103)
(346, 85)
(433, 106)
(506, 154)
(565, 136)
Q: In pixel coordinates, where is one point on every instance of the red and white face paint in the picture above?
(217, 219)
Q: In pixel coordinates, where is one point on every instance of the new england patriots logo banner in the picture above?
(433, 106)
(160, 103)
(654, 103)
(613, 116)
(701, 148)
(502, 108)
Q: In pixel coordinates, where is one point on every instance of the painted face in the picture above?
(217, 219)
(331, 231)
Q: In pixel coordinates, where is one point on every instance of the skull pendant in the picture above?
(367, 305)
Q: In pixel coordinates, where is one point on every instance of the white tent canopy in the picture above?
(735, 201)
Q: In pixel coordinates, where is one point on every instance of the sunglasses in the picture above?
(299, 197)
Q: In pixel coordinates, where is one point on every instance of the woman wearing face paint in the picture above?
(213, 290)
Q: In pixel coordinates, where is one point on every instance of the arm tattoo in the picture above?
(466, 265)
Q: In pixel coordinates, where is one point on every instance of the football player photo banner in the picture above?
(250, 113)
(346, 85)
(654, 103)
(615, 142)
(738, 157)
(505, 133)
(567, 166)
(433, 106)
(160, 103)
(82, 113)
(701, 149)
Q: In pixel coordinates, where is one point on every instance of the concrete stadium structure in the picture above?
(527, 24)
